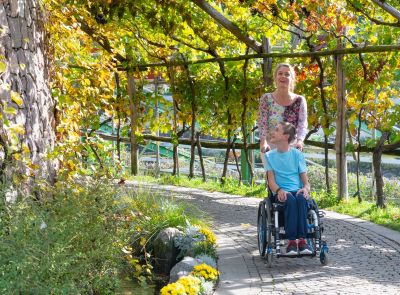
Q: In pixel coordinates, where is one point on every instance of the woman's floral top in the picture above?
(270, 113)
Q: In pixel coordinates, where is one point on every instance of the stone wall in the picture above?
(23, 51)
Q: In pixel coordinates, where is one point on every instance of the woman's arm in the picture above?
(302, 124)
(263, 123)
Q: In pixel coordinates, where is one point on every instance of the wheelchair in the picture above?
(271, 233)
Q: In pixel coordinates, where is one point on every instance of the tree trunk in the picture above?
(376, 160)
(326, 121)
(340, 144)
(25, 88)
(228, 148)
(236, 160)
(118, 95)
(203, 171)
(267, 63)
(244, 118)
(193, 124)
(133, 108)
(175, 170)
(229, 118)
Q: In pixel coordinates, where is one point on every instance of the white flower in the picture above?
(43, 225)
(11, 196)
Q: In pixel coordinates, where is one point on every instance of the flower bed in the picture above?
(199, 242)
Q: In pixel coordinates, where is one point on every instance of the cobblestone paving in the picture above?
(361, 261)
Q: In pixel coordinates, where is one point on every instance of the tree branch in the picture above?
(389, 9)
(227, 24)
(376, 21)
(101, 40)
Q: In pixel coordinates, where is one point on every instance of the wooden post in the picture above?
(157, 117)
(267, 63)
(134, 112)
(340, 144)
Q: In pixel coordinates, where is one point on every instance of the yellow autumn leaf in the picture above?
(142, 241)
(10, 111)
(19, 129)
(17, 157)
(3, 67)
(25, 148)
(16, 97)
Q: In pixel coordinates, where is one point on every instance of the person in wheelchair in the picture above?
(288, 180)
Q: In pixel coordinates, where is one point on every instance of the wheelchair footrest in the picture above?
(295, 256)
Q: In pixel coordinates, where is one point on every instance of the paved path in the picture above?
(364, 258)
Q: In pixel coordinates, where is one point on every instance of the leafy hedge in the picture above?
(65, 242)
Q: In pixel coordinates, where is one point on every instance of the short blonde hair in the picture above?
(292, 74)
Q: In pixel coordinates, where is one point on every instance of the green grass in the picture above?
(231, 186)
(389, 217)
(367, 210)
(78, 237)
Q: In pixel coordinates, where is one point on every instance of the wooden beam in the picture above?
(387, 149)
(342, 51)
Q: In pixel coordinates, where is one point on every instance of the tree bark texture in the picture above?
(23, 55)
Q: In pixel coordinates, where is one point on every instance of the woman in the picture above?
(282, 105)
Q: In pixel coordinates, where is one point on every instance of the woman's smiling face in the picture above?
(283, 77)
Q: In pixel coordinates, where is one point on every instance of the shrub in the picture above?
(148, 213)
(187, 241)
(67, 241)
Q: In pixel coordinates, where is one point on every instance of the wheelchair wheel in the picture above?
(323, 258)
(262, 229)
(264, 234)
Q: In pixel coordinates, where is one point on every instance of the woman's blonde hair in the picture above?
(292, 74)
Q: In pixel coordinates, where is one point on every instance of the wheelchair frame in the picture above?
(269, 234)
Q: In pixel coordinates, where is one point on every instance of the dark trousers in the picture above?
(295, 208)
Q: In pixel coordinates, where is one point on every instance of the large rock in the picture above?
(165, 251)
(183, 268)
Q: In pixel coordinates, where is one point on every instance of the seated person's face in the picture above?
(277, 135)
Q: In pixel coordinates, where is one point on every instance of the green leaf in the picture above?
(10, 111)
(370, 143)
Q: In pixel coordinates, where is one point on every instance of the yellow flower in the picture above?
(207, 272)
(210, 237)
(173, 289)
(191, 284)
